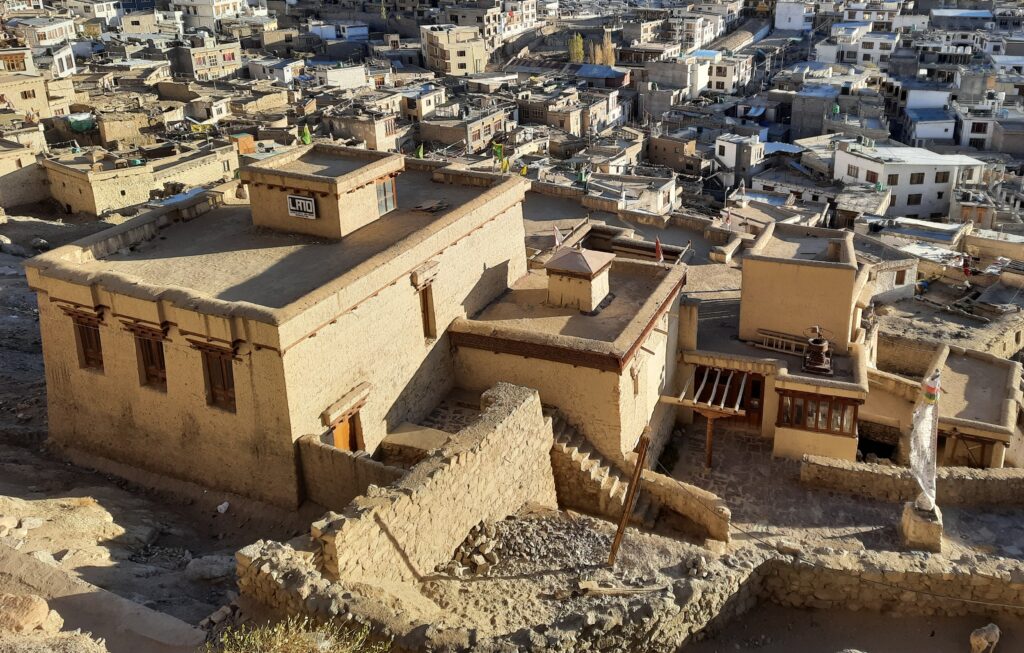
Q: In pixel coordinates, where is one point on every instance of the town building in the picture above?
(241, 349)
(203, 58)
(96, 182)
(453, 50)
(921, 181)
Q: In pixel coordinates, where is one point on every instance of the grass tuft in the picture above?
(294, 635)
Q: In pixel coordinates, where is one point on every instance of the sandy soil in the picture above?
(773, 629)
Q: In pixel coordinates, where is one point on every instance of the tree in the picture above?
(592, 52)
(576, 48)
(608, 49)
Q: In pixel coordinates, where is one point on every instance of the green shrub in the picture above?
(295, 635)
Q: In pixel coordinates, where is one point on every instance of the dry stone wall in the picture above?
(489, 470)
(955, 486)
(894, 584)
(332, 477)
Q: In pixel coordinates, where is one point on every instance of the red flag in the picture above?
(658, 254)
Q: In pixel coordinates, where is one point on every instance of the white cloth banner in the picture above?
(924, 436)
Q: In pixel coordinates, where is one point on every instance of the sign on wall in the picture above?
(301, 207)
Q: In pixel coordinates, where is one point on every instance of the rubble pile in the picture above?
(476, 555)
(542, 542)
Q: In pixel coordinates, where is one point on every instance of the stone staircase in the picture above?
(585, 482)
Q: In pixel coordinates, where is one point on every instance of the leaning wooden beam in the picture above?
(739, 395)
(688, 382)
(696, 395)
(714, 388)
(725, 392)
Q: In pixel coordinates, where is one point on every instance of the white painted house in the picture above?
(921, 181)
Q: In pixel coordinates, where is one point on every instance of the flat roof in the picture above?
(321, 164)
(915, 156)
(974, 388)
(220, 254)
(525, 305)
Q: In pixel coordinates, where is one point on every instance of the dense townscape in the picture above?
(511, 325)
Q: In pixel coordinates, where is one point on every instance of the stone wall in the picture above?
(884, 582)
(333, 477)
(701, 507)
(904, 355)
(490, 470)
(955, 486)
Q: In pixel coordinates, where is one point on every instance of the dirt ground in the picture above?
(773, 629)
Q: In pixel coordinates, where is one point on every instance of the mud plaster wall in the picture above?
(491, 470)
(960, 486)
(111, 413)
(332, 477)
(381, 342)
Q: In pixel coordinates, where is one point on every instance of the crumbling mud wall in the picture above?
(490, 470)
(701, 507)
(955, 486)
(333, 477)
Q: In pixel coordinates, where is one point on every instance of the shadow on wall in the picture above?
(432, 380)
(493, 282)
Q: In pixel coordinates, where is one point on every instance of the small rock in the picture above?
(211, 567)
(44, 556)
(28, 523)
(10, 521)
(788, 547)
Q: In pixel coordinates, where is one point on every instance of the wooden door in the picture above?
(346, 433)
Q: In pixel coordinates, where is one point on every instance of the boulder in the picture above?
(21, 614)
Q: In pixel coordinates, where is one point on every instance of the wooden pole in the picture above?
(634, 488)
(709, 444)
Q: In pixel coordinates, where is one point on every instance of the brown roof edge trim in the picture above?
(555, 353)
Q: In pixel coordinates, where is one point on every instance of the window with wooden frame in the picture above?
(385, 196)
(810, 412)
(219, 376)
(149, 347)
(87, 340)
(427, 311)
(422, 280)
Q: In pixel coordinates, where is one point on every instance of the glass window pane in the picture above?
(823, 415)
(787, 411)
(798, 411)
(848, 419)
(837, 416)
(812, 413)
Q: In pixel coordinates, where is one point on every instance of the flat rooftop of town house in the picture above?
(321, 164)
(633, 284)
(221, 255)
(799, 243)
(975, 386)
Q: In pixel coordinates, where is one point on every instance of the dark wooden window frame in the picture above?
(218, 374)
(88, 341)
(796, 418)
(149, 349)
